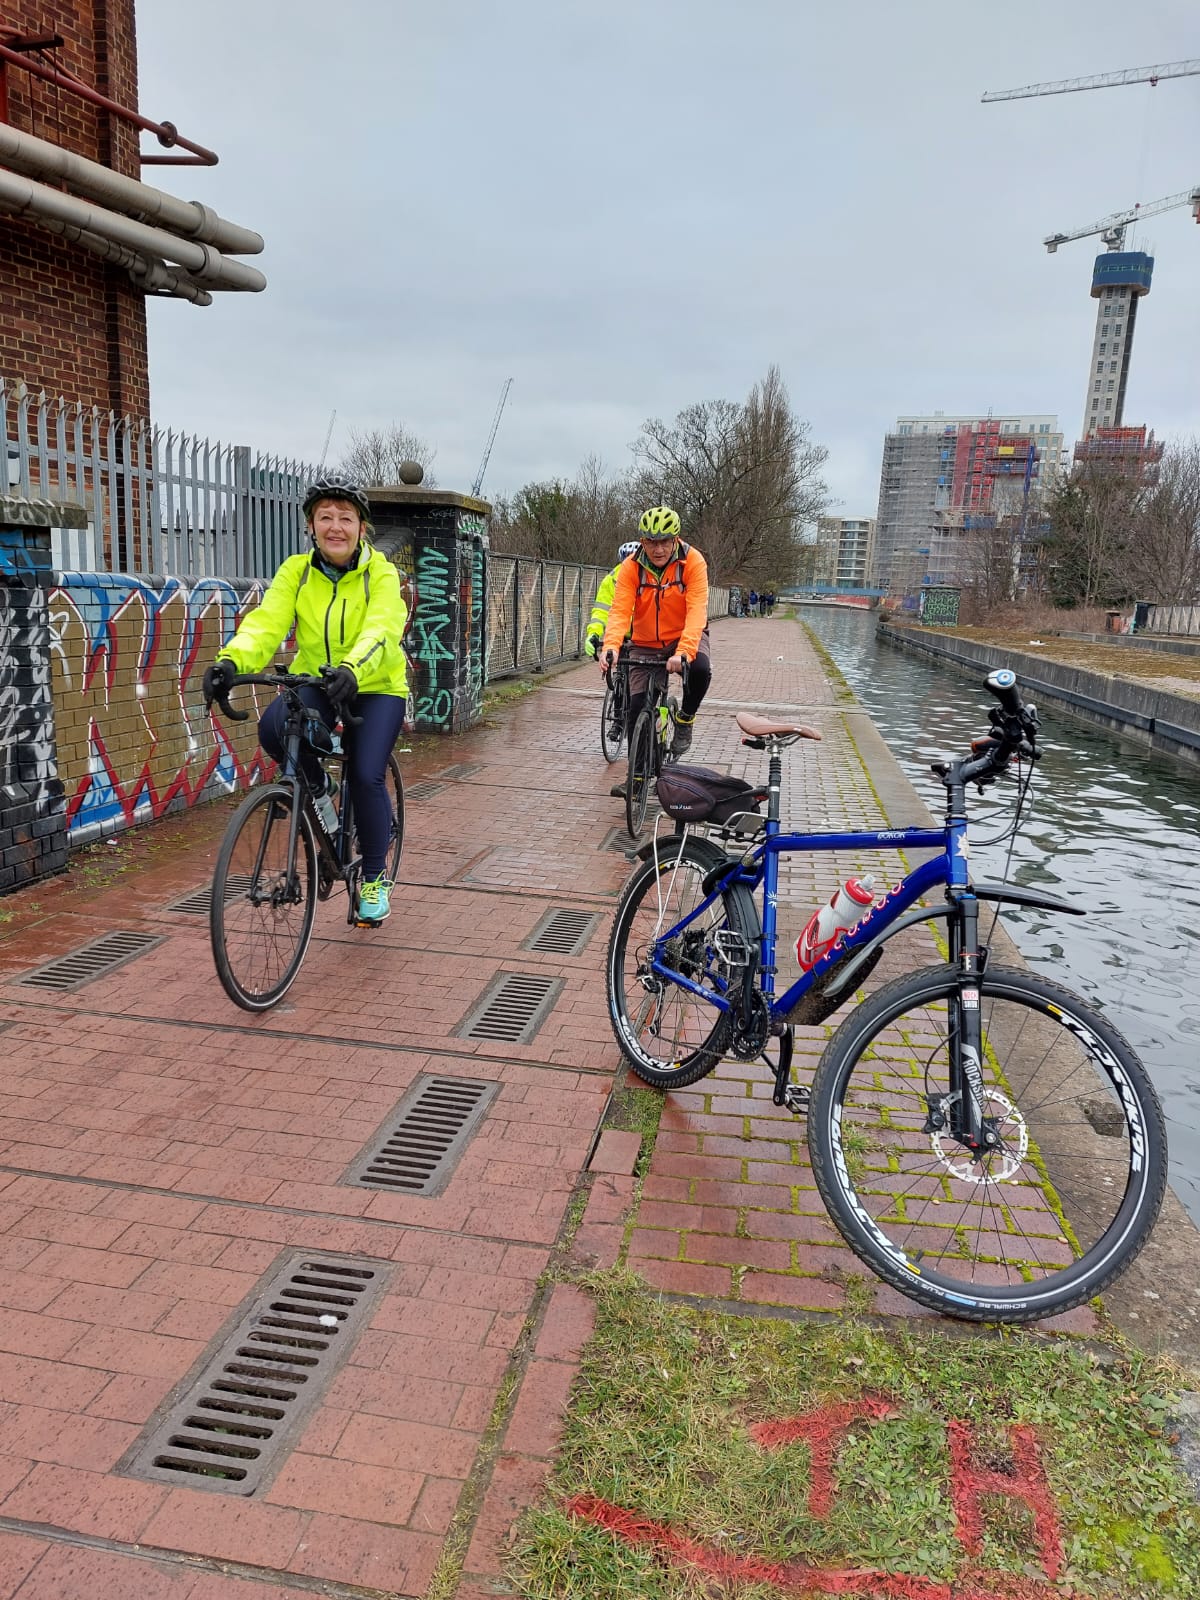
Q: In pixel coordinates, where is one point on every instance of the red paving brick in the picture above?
(161, 1150)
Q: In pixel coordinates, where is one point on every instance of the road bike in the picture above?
(615, 709)
(984, 1140)
(651, 736)
(278, 858)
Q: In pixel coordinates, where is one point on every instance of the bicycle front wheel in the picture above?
(395, 785)
(1039, 1222)
(641, 773)
(263, 899)
(672, 1035)
(612, 723)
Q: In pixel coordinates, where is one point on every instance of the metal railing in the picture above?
(158, 502)
(538, 612)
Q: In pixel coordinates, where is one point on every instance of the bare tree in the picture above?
(583, 520)
(1092, 517)
(744, 479)
(375, 455)
(1162, 559)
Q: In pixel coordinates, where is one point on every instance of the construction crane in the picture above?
(487, 449)
(1112, 229)
(1101, 80)
(328, 436)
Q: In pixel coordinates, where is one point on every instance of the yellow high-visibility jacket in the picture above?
(355, 619)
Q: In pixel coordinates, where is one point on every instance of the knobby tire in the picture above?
(1032, 1227)
(669, 1036)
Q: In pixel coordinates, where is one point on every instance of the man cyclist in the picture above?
(603, 600)
(343, 599)
(661, 595)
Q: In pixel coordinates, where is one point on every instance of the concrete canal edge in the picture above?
(1166, 722)
(1155, 1303)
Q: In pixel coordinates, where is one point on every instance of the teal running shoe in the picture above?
(374, 903)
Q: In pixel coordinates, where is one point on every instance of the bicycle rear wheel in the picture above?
(1043, 1220)
(671, 1036)
(612, 723)
(263, 903)
(641, 773)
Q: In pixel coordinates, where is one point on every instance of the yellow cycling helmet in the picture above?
(660, 522)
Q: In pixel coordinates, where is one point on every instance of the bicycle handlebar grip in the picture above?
(227, 710)
(1003, 684)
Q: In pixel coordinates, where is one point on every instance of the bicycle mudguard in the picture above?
(1019, 895)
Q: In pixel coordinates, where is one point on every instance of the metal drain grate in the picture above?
(562, 931)
(199, 902)
(228, 1431)
(462, 769)
(435, 1119)
(621, 842)
(422, 791)
(511, 1009)
(90, 961)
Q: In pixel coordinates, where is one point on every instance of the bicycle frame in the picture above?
(964, 1109)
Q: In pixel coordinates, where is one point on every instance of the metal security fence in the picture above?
(1173, 619)
(158, 502)
(537, 611)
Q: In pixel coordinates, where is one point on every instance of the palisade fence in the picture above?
(1173, 619)
(167, 504)
(158, 502)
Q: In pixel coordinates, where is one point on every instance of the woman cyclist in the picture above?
(343, 599)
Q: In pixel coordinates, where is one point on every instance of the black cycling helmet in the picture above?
(336, 489)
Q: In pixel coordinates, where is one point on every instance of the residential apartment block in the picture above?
(844, 547)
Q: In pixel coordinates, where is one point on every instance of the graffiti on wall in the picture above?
(473, 529)
(26, 710)
(432, 638)
(126, 661)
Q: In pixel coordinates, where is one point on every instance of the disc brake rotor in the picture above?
(1002, 1160)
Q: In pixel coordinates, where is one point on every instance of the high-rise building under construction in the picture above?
(1119, 279)
(944, 477)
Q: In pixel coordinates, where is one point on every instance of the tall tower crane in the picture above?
(1119, 279)
(491, 439)
(1101, 80)
(1112, 229)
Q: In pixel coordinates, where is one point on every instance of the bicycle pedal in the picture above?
(796, 1098)
(368, 922)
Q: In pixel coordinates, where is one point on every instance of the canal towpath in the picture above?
(163, 1151)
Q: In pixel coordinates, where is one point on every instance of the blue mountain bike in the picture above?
(983, 1140)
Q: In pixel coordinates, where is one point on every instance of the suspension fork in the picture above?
(965, 1020)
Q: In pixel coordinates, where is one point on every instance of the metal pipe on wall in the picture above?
(205, 265)
(38, 158)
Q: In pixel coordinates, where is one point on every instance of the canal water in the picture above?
(1112, 825)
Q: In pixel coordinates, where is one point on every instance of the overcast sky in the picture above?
(631, 205)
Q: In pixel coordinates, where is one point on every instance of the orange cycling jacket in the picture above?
(664, 607)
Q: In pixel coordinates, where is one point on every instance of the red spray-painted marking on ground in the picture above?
(796, 1577)
(822, 1430)
(968, 1482)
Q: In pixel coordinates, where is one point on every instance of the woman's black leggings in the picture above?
(367, 746)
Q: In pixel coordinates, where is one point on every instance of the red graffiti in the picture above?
(968, 1482)
(823, 1431)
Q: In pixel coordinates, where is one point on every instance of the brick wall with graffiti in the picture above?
(127, 657)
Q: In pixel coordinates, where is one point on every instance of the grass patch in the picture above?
(659, 1426)
(837, 679)
(633, 1108)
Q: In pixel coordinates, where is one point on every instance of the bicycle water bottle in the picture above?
(327, 813)
(827, 924)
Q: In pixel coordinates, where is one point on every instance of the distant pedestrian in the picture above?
(754, 602)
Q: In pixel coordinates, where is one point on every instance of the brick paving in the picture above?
(160, 1151)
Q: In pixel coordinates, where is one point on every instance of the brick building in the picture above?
(71, 323)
